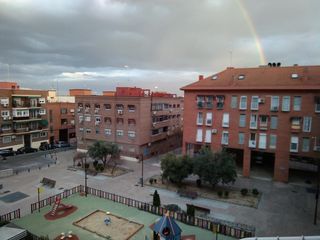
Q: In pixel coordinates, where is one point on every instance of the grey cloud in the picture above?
(42, 39)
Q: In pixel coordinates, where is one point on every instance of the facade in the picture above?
(139, 121)
(267, 116)
(23, 117)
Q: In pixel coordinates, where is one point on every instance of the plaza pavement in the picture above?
(284, 209)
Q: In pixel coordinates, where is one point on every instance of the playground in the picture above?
(84, 223)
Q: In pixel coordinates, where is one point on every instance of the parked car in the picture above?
(6, 152)
(61, 144)
(45, 146)
(26, 150)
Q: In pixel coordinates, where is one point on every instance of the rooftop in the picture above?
(261, 78)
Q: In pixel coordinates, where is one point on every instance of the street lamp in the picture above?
(317, 195)
(140, 158)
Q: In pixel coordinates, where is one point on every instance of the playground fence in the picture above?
(235, 230)
(10, 215)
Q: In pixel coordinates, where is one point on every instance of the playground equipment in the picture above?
(58, 206)
(166, 229)
(107, 221)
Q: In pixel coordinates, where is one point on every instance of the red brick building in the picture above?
(139, 121)
(23, 119)
(267, 115)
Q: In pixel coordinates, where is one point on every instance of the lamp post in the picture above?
(317, 194)
(85, 176)
(140, 158)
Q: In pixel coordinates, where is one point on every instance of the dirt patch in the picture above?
(116, 172)
(119, 228)
(234, 195)
(60, 213)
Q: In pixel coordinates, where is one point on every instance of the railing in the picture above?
(11, 215)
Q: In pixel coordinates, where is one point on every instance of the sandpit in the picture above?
(119, 229)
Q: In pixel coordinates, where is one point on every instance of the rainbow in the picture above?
(253, 31)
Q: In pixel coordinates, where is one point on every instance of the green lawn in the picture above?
(37, 224)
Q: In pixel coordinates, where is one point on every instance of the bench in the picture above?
(48, 182)
(188, 194)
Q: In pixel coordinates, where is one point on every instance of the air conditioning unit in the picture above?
(5, 105)
(155, 112)
(261, 100)
(214, 131)
(120, 111)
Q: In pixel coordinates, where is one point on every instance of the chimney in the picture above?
(200, 77)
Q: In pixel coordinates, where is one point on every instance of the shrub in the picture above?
(151, 181)
(226, 194)
(86, 165)
(220, 193)
(79, 164)
(156, 199)
(198, 182)
(101, 168)
(155, 180)
(190, 210)
(244, 191)
(255, 192)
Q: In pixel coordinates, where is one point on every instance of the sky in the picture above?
(160, 45)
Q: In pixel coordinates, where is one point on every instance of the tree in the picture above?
(227, 167)
(99, 151)
(79, 156)
(114, 153)
(215, 167)
(176, 168)
(156, 199)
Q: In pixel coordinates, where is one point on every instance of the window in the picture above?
(255, 103)
(43, 134)
(209, 119)
(97, 120)
(286, 103)
(225, 138)
(241, 138)
(5, 114)
(274, 103)
(241, 77)
(307, 121)
(80, 129)
(64, 121)
(252, 140)
(242, 120)
(234, 102)
(107, 106)
(131, 134)
(131, 122)
(263, 122)
(6, 139)
(5, 127)
(199, 135)
(97, 131)
(316, 146)
(107, 131)
(274, 122)
(72, 122)
(200, 118)
(88, 130)
(209, 102)
(262, 141)
(71, 110)
(220, 102)
(253, 121)
(131, 108)
(87, 118)
(35, 135)
(317, 103)
(200, 101)
(64, 111)
(294, 144)
(273, 141)
(295, 123)
(208, 136)
(225, 120)
(294, 75)
(42, 100)
(119, 120)
(243, 103)
(297, 103)
(80, 119)
(42, 111)
(119, 133)
(107, 120)
(305, 144)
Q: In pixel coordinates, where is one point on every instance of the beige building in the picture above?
(23, 117)
(139, 121)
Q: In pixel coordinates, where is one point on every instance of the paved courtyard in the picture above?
(284, 209)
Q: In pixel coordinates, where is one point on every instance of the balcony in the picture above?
(160, 124)
(159, 136)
